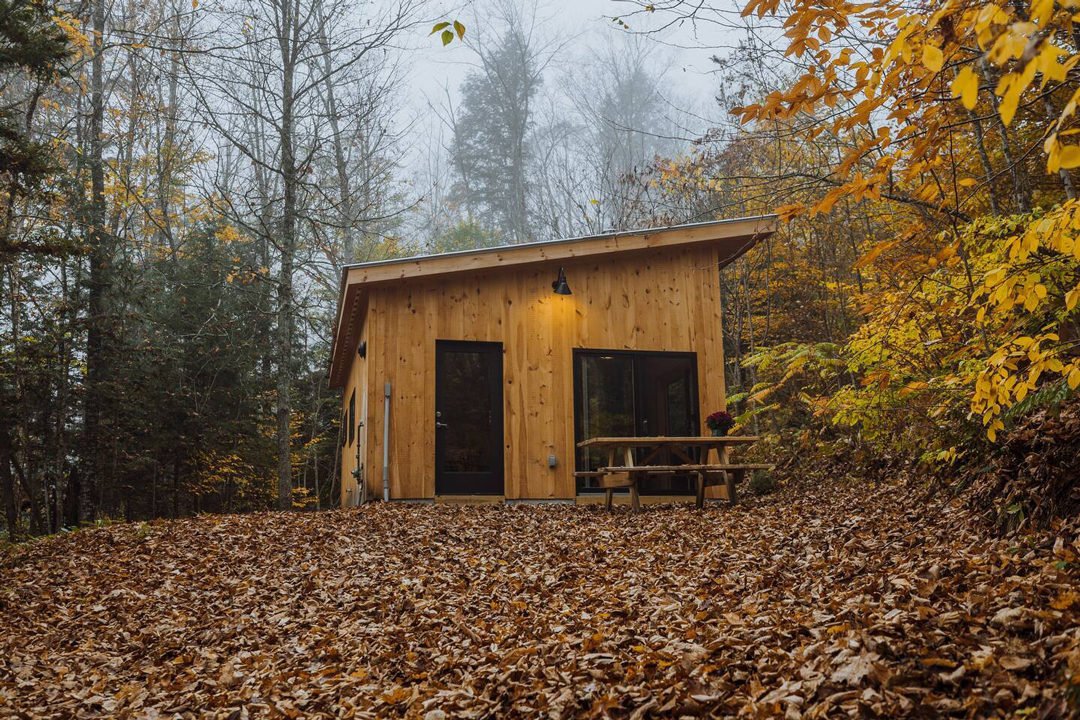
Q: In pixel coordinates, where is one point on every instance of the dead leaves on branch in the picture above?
(837, 603)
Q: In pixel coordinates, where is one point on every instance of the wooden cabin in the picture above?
(475, 373)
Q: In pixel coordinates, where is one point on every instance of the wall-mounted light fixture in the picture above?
(559, 286)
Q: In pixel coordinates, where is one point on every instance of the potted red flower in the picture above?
(720, 423)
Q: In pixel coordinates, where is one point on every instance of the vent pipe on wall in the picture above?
(386, 444)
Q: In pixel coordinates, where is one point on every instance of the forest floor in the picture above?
(828, 601)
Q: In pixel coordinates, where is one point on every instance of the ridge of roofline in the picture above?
(556, 241)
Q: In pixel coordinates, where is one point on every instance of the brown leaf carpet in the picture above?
(830, 602)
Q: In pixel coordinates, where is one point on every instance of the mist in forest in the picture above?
(191, 177)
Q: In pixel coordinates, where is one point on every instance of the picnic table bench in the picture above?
(708, 473)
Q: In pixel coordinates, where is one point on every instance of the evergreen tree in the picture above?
(491, 138)
(33, 49)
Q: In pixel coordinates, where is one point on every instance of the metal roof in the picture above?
(557, 241)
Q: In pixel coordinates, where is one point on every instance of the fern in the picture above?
(1049, 396)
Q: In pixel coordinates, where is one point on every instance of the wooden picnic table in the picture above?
(628, 474)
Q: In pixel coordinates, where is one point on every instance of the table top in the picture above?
(662, 440)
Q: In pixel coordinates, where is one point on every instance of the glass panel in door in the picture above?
(606, 402)
(468, 418)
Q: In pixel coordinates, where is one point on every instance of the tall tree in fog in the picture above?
(491, 131)
(621, 104)
(611, 124)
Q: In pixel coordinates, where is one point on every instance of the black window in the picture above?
(628, 393)
(352, 417)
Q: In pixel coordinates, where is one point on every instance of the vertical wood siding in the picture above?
(357, 379)
(663, 301)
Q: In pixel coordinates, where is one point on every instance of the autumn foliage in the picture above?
(921, 299)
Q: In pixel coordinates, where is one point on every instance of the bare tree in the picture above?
(268, 85)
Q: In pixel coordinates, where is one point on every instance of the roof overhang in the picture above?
(733, 238)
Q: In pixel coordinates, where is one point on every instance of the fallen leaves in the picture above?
(821, 603)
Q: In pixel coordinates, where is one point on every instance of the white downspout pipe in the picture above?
(386, 444)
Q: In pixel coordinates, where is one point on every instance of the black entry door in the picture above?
(468, 418)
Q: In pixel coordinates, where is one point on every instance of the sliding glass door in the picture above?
(628, 393)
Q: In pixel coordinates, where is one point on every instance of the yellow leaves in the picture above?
(787, 212)
(448, 30)
(932, 58)
(1065, 600)
(995, 276)
(760, 7)
(1010, 87)
(1041, 10)
(825, 206)
(1023, 281)
(1011, 44)
(1047, 63)
(1070, 157)
(990, 14)
(966, 87)
(1061, 156)
(228, 234)
(874, 253)
(1071, 297)
(991, 432)
(946, 8)
(72, 30)
(912, 387)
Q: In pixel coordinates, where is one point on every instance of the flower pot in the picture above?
(717, 432)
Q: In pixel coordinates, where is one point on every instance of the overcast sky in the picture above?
(684, 50)
(584, 21)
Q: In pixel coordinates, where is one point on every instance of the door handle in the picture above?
(440, 424)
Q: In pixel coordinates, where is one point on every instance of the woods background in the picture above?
(182, 183)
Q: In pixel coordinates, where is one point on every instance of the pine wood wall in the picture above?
(663, 300)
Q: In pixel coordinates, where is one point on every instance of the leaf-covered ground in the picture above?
(819, 603)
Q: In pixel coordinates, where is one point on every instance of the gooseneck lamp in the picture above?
(559, 286)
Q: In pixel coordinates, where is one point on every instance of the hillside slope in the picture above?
(829, 601)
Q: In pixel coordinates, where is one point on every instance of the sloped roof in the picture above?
(734, 237)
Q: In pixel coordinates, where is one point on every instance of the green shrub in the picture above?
(762, 482)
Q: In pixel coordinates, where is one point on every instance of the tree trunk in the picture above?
(1020, 195)
(289, 178)
(345, 196)
(1066, 181)
(99, 278)
(59, 447)
(7, 482)
(176, 488)
(984, 157)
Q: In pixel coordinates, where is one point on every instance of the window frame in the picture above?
(579, 455)
(352, 417)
